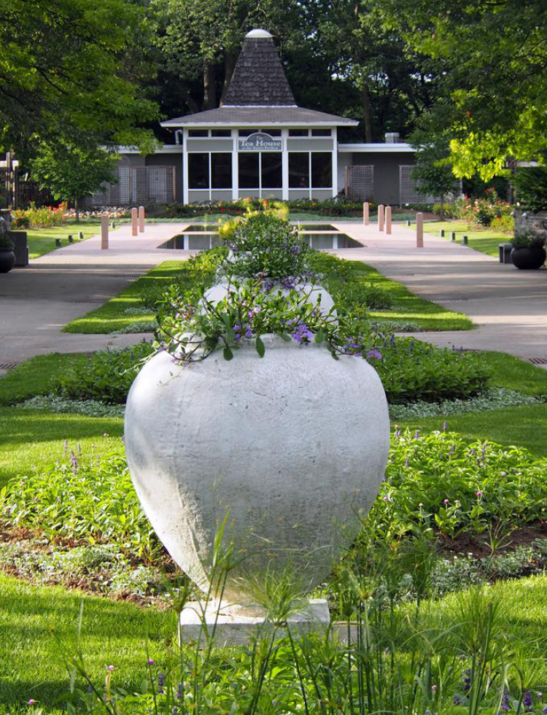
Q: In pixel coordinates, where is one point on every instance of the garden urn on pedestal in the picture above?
(288, 451)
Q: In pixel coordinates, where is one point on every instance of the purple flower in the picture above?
(31, 702)
(374, 355)
(505, 704)
(150, 661)
(110, 668)
(527, 701)
(161, 681)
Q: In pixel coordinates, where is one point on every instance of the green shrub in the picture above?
(411, 370)
(531, 187)
(348, 284)
(505, 223)
(42, 217)
(107, 375)
(264, 243)
(83, 500)
(442, 481)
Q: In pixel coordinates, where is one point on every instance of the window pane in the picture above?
(221, 133)
(321, 170)
(221, 170)
(198, 171)
(299, 170)
(321, 132)
(247, 132)
(198, 132)
(272, 175)
(298, 132)
(272, 132)
(248, 170)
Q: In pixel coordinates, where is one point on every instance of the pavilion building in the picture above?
(260, 143)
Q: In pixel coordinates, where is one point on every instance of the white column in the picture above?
(334, 162)
(285, 163)
(235, 165)
(185, 166)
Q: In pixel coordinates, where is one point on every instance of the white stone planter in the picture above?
(291, 447)
(316, 295)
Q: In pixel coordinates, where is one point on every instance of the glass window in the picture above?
(198, 132)
(272, 174)
(221, 170)
(198, 171)
(248, 170)
(321, 132)
(272, 132)
(299, 170)
(247, 132)
(321, 170)
(298, 132)
(221, 133)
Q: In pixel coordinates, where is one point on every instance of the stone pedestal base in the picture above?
(232, 627)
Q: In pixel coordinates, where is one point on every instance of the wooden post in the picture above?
(381, 217)
(366, 213)
(141, 219)
(134, 222)
(388, 220)
(104, 233)
(419, 230)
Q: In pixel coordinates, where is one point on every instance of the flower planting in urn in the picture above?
(262, 417)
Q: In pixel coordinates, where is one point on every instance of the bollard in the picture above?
(366, 213)
(104, 232)
(81, 234)
(70, 239)
(58, 242)
(388, 220)
(134, 221)
(141, 219)
(465, 241)
(453, 236)
(441, 233)
(408, 222)
(381, 217)
(113, 224)
(419, 230)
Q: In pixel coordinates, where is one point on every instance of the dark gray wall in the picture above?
(169, 160)
(386, 173)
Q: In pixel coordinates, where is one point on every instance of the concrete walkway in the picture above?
(36, 302)
(508, 306)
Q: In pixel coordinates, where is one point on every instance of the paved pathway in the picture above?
(508, 306)
(36, 302)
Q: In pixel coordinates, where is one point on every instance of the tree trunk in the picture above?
(229, 64)
(77, 207)
(366, 113)
(209, 86)
(441, 212)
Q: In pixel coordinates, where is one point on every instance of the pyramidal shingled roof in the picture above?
(259, 78)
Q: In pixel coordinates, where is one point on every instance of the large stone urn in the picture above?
(289, 450)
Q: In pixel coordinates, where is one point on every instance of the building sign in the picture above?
(259, 141)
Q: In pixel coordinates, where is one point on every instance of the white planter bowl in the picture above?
(317, 295)
(290, 447)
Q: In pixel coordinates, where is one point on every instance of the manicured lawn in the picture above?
(112, 316)
(520, 426)
(42, 240)
(39, 625)
(32, 440)
(407, 307)
(485, 240)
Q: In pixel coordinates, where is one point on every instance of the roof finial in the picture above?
(257, 34)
